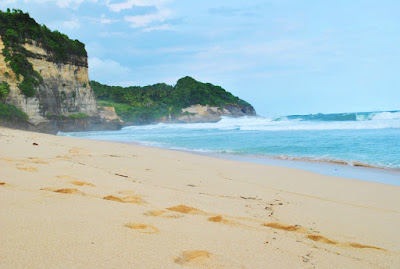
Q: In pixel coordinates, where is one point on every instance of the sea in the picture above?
(362, 145)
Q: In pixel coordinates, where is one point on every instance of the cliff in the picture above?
(55, 94)
(188, 101)
(199, 113)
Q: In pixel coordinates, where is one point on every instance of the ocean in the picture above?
(367, 139)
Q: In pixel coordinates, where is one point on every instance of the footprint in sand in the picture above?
(66, 157)
(28, 169)
(186, 210)
(132, 199)
(76, 150)
(82, 183)
(162, 213)
(127, 192)
(314, 237)
(9, 160)
(220, 219)
(36, 160)
(2, 184)
(64, 191)
(322, 239)
(319, 238)
(142, 228)
(276, 225)
(192, 256)
(357, 245)
(65, 177)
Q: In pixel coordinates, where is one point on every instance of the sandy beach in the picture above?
(74, 203)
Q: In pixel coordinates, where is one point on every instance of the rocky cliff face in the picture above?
(199, 113)
(64, 92)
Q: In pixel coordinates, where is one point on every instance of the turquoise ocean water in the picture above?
(354, 139)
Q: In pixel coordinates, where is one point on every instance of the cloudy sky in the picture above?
(283, 56)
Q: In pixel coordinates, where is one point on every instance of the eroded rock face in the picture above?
(199, 113)
(108, 114)
(65, 91)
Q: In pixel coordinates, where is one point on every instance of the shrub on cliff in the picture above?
(9, 113)
(147, 104)
(4, 90)
(79, 116)
(18, 28)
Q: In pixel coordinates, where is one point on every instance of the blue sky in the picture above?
(282, 56)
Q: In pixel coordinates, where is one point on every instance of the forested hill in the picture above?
(140, 105)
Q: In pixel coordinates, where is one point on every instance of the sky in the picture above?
(282, 56)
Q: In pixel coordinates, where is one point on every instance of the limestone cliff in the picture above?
(108, 114)
(199, 113)
(64, 92)
(188, 101)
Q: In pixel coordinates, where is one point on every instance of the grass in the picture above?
(119, 107)
(79, 116)
(11, 113)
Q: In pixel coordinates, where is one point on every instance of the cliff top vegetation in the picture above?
(146, 104)
(18, 27)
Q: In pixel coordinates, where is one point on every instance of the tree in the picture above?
(4, 90)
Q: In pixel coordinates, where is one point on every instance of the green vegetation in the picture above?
(18, 28)
(4, 90)
(10, 113)
(146, 104)
(79, 116)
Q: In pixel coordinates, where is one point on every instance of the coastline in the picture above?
(336, 168)
(70, 202)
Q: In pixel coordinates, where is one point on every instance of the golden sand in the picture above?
(235, 223)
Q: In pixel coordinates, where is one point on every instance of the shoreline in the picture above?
(340, 169)
(77, 203)
(327, 167)
(372, 174)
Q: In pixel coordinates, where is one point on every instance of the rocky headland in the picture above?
(52, 89)
(45, 87)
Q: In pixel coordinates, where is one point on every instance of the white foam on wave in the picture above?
(226, 123)
(381, 120)
(386, 116)
(378, 116)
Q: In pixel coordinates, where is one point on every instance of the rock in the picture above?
(199, 113)
(108, 114)
(65, 91)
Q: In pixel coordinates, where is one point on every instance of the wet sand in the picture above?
(74, 203)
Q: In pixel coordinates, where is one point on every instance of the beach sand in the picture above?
(74, 203)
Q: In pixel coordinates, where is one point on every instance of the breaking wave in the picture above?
(342, 121)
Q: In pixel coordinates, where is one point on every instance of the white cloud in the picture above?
(163, 27)
(68, 3)
(102, 20)
(61, 3)
(151, 21)
(72, 24)
(140, 21)
(107, 70)
(112, 34)
(7, 3)
(117, 7)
